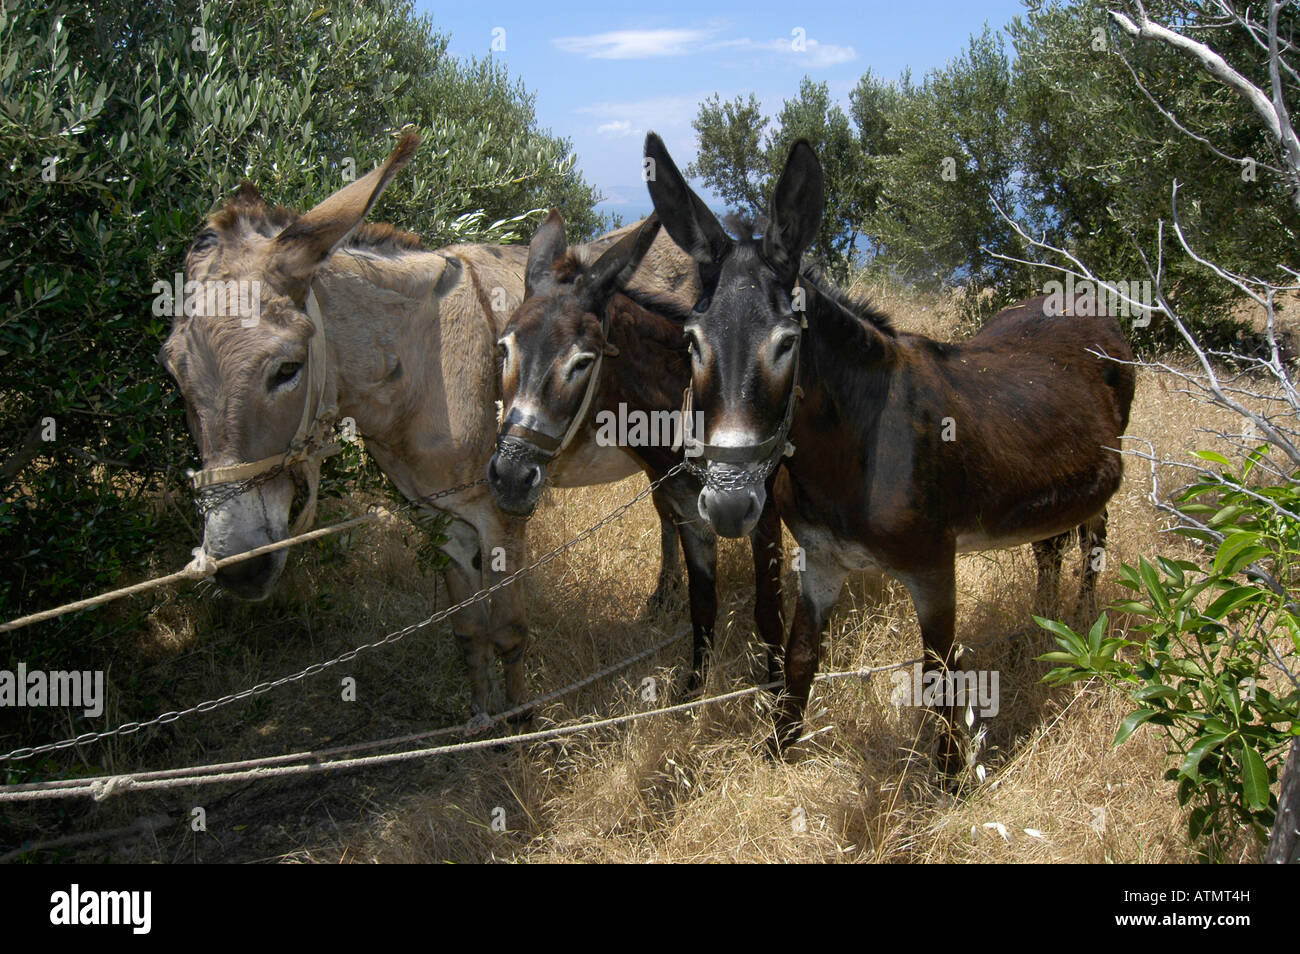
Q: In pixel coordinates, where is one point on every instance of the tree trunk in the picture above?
(1284, 843)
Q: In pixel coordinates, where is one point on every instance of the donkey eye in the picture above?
(581, 364)
(285, 373)
(785, 346)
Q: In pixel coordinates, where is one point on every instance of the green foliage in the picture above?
(732, 159)
(1100, 159)
(955, 161)
(812, 115)
(1210, 636)
(153, 113)
(742, 164)
(1059, 136)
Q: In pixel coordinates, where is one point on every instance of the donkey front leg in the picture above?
(701, 546)
(819, 587)
(669, 555)
(462, 575)
(766, 542)
(503, 541)
(934, 595)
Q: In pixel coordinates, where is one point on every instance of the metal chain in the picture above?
(726, 479)
(439, 494)
(210, 498)
(129, 728)
(524, 708)
(102, 787)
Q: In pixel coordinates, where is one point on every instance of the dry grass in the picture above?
(697, 787)
(701, 788)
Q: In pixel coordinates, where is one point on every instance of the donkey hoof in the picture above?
(781, 744)
(952, 771)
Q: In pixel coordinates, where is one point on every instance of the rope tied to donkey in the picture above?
(200, 567)
(203, 565)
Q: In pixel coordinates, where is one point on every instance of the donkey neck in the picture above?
(381, 322)
(847, 368)
(651, 370)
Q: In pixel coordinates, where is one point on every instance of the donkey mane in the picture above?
(745, 228)
(858, 306)
(573, 264)
(660, 305)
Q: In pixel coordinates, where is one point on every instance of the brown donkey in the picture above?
(356, 322)
(905, 451)
(582, 356)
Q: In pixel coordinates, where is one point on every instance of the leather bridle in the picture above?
(761, 458)
(545, 445)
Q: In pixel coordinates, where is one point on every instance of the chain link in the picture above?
(208, 499)
(723, 478)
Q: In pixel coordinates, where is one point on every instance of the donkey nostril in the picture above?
(534, 476)
(492, 468)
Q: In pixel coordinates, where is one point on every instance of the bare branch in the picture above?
(1276, 120)
(1203, 140)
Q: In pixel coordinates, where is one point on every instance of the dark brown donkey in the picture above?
(582, 352)
(906, 451)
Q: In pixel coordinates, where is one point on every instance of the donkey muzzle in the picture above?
(251, 579)
(732, 513)
(516, 478)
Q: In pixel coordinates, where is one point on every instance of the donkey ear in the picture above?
(301, 248)
(615, 268)
(248, 196)
(797, 206)
(545, 253)
(686, 218)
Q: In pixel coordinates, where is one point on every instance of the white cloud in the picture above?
(649, 44)
(616, 197)
(633, 44)
(814, 54)
(634, 117)
(619, 127)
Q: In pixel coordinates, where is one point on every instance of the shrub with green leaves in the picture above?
(122, 125)
(1214, 638)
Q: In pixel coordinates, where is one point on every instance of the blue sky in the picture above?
(605, 73)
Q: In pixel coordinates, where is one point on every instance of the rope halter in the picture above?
(515, 439)
(310, 443)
